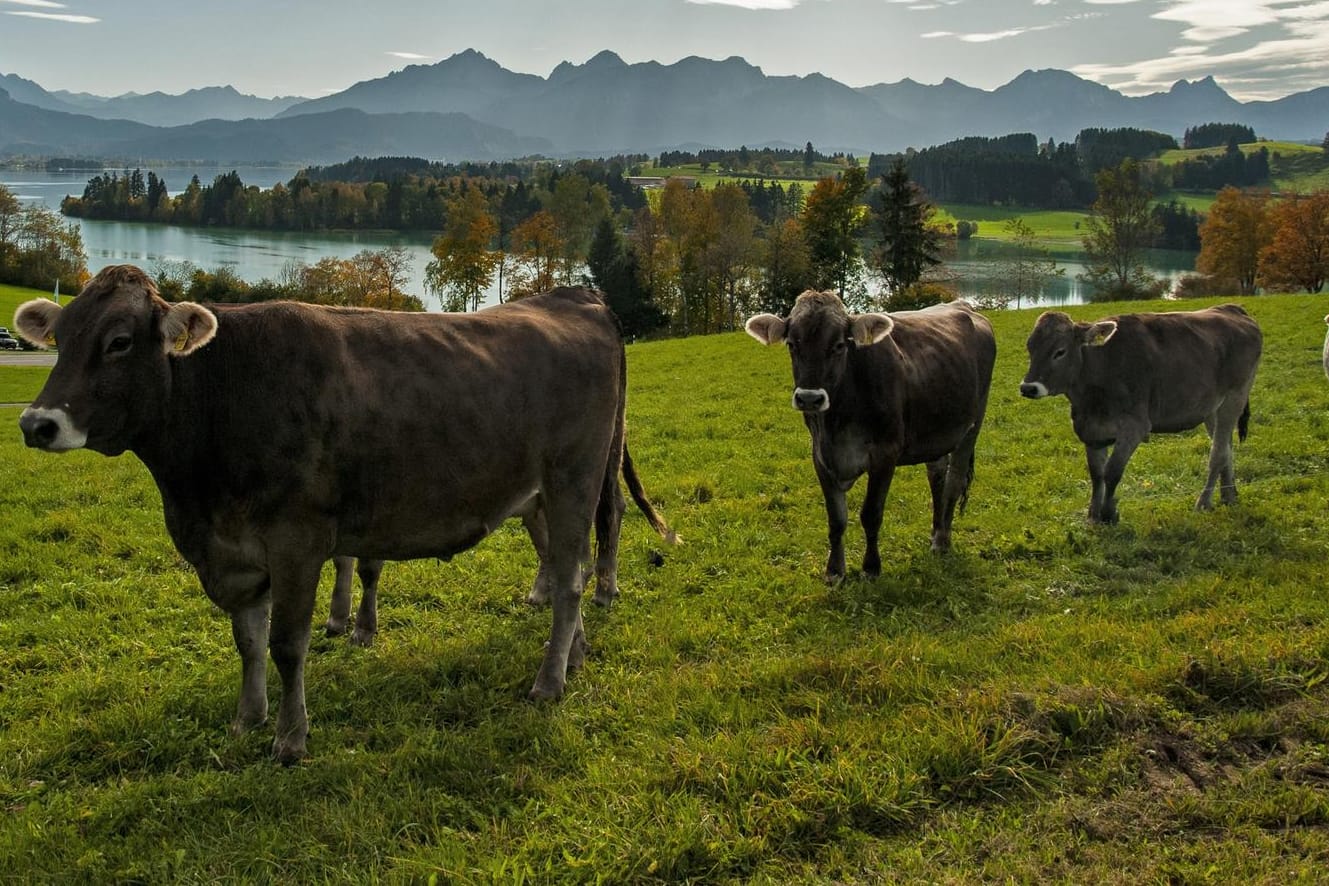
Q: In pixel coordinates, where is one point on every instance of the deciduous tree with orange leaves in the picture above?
(1237, 230)
(1298, 257)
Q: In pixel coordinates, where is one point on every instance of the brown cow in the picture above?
(281, 435)
(880, 390)
(1131, 375)
(606, 589)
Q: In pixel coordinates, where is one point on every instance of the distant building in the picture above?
(651, 182)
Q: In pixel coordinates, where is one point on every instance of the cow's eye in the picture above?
(839, 346)
(119, 344)
(1059, 353)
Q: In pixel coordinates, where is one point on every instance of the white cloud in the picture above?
(988, 36)
(45, 4)
(1258, 48)
(409, 56)
(749, 4)
(58, 17)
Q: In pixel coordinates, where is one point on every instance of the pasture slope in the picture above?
(1051, 701)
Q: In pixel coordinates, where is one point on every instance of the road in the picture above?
(27, 358)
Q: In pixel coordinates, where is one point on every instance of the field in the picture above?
(1049, 702)
(1056, 230)
(1293, 166)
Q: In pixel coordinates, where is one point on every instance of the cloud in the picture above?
(1260, 49)
(45, 4)
(58, 17)
(409, 56)
(749, 4)
(988, 36)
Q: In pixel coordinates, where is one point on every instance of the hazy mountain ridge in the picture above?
(154, 108)
(469, 103)
(327, 137)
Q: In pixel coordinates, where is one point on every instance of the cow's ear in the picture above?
(186, 327)
(1100, 333)
(35, 321)
(868, 329)
(767, 329)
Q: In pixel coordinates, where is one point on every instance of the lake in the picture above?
(254, 255)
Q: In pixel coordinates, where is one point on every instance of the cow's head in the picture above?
(820, 334)
(1056, 352)
(112, 375)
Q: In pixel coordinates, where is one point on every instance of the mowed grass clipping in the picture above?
(1051, 701)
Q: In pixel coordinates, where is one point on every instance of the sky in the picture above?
(1255, 49)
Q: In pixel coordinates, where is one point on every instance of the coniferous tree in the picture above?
(907, 244)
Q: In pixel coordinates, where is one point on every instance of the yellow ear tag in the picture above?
(181, 340)
(50, 339)
(1099, 339)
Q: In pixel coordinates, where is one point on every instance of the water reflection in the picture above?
(975, 265)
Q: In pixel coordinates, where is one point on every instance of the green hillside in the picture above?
(1293, 166)
(1052, 702)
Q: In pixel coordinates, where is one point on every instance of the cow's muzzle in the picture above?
(811, 399)
(1033, 390)
(50, 429)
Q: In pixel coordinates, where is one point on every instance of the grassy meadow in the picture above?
(1051, 701)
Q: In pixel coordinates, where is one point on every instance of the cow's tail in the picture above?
(1244, 422)
(621, 460)
(643, 503)
(968, 478)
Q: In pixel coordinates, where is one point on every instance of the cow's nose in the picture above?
(1031, 390)
(811, 400)
(39, 431)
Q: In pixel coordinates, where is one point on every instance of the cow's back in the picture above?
(1177, 365)
(932, 375)
(410, 434)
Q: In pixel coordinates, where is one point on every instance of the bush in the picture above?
(919, 295)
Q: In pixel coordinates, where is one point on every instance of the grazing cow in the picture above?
(366, 618)
(281, 435)
(1325, 356)
(880, 390)
(1134, 374)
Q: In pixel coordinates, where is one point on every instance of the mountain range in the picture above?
(468, 107)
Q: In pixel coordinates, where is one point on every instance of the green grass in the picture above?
(1050, 702)
(1050, 226)
(1293, 166)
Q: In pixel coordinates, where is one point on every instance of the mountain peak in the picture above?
(605, 58)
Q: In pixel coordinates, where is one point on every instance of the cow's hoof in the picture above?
(288, 753)
(335, 629)
(541, 692)
(604, 598)
(1204, 504)
(241, 727)
(363, 639)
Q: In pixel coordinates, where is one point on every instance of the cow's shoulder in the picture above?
(578, 295)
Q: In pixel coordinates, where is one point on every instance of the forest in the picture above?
(679, 259)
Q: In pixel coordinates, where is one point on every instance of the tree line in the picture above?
(1018, 170)
(38, 247)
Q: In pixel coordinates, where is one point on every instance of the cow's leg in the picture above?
(837, 519)
(608, 528)
(1097, 457)
(249, 627)
(959, 471)
(537, 527)
(366, 617)
(874, 504)
(294, 587)
(1220, 426)
(569, 514)
(1112, 474)
(339, 610)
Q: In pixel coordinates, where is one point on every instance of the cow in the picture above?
(281, 435)
(1325, 356)
(881, 390)
(1135, 374)
(606, 589)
